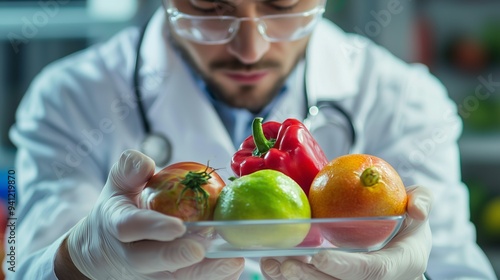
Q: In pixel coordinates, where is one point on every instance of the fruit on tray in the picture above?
(353, 186)
(263, 195)
(187, 190)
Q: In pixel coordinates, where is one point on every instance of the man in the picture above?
(205, 70)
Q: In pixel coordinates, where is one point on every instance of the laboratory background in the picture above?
(458, 40)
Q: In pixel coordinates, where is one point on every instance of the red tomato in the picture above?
(187, 190)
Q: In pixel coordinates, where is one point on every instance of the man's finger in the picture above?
(130, 173)
(294, 269)
(213, 269)
(129, 224)
(420, 201)
(343, 265)
(271, 269)
(154, 256)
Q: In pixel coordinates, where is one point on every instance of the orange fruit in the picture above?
(358, 185)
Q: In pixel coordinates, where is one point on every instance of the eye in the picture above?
(212, 7)
(283, 5)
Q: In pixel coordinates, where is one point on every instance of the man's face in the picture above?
(248, 71)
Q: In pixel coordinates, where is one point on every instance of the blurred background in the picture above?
(459, 40)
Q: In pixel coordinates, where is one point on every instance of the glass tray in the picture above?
(265, 238)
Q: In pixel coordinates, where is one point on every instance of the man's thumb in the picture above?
(131, 172)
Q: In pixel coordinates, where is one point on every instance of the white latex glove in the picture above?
(405, 257)
(117, 240)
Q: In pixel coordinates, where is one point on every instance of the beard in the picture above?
(248, 97)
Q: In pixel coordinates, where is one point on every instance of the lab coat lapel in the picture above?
(291, 105)
(178, 109)
(331, 70)
(188, 119)
(330, 73)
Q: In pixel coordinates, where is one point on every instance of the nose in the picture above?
(248, 45)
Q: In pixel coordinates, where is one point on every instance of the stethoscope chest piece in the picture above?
(157, 147)
(332, 128)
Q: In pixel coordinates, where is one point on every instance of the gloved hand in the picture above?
(119, 241)
(405, 257)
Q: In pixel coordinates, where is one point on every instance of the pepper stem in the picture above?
(262, 144)
(370, 177)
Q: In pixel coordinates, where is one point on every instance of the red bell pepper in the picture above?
(288, 147)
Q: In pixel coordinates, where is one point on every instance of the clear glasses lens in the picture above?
(220, 30)
(204, 30)
(287, 28)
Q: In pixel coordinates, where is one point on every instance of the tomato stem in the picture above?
(370, 177)
(194, 182)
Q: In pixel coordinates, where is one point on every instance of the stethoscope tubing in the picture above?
(136, 83)
(147, 126)
(319, 104)
(329, 103)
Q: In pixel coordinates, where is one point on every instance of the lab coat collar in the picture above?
(155, 56)
(176, 94)
(331, 64)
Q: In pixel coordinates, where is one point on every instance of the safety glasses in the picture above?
(215, 30)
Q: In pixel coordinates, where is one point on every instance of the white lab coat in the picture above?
(79, 115)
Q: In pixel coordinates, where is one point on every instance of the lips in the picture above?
(247, 77)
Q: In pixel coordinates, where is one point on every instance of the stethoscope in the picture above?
(336, 121)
